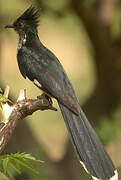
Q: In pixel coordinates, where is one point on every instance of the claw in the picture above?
(46, 96)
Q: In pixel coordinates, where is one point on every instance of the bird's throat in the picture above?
(22, 40)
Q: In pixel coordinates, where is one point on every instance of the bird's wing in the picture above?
(45, 68)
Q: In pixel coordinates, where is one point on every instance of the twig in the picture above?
(14, 113)
(107, 10)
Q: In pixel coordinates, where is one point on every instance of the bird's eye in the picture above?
(20, 24)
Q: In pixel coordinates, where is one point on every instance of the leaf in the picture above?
(26, 164)
(2, 97)
(15, 167)
(1, 90)
(30, 157)
(6, 99)
(5, 164)
(16, 161)
(0, 105)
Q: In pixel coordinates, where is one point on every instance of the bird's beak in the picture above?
(9, 26)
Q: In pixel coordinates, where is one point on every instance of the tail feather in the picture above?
(90, 150)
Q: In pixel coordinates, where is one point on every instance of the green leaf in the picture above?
(16, 161)
(5, 164)
(1, 90)
(26, 164)
(15, 167)
(0, 105)
(30, 157)
(6, 99)
(2, 97)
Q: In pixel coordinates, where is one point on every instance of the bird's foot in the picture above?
(44, 95)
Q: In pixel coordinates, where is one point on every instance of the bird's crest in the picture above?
(30, 16)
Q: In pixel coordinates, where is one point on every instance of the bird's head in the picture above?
(27, 22)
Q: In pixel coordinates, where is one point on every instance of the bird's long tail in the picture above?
(91, 152)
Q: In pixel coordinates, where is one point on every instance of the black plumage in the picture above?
(41, 66)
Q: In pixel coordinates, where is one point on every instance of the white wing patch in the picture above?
(37, 83)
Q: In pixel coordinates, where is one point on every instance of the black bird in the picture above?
(42, 67)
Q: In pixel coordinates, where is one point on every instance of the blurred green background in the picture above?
(85, 36)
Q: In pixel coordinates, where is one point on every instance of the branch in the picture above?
(96, 30)
(14, 113)
(106, 11)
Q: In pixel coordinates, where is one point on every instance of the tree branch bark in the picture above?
(105, 98)
(106, 10)
(21, 109)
